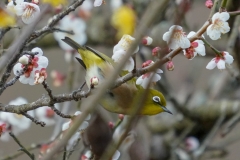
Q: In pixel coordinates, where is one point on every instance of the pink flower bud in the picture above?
(155, 51)
(147, 40)
(111, 125)
(94, 81)
(170, 66)
(147, 63)
(121, 116)
(209, 4)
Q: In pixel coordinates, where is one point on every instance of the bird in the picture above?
(123, 98)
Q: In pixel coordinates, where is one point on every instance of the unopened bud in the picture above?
(170, 66)
(35, 2)
(147, 63)
(111, 125)
(209, 4)
(147, 40)
(94, 81)
(121, 116)
(155, 51)
(23, 60)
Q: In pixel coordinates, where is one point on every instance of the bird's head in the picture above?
(155, 103)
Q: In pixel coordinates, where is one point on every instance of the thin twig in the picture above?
(34, 120)
(49, 91)
(22, 147)
(5, 30)
(60, 113)
(234, 13)
(17, 154)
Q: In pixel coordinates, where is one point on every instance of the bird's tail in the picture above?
(73, 44)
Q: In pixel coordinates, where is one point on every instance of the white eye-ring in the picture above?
(156, 99)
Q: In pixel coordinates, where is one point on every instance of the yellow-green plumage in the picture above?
(121, 99)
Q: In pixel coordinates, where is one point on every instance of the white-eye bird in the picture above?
(120, 99)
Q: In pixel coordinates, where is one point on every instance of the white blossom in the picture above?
(36, 64)
(219, 25)
(220, 61)
(197, 47)
(120, 50)
(71, 23)
(28, 11)
(98, 3)
(176, 38)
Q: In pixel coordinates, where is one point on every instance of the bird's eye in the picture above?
(156, 99)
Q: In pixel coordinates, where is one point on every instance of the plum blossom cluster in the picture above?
(176, 38)
(12, 122)
(28, 11)
(120, 50)
(32, 68)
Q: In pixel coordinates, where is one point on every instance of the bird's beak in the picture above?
(166, 110)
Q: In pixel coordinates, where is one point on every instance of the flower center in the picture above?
(218, 24)
(18, 116)
(32, 64)
(28, 11)
(178, 34)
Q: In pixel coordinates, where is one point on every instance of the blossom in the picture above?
(35, 63)
(220, 61)
(6, 19)
(145, 78)
(55, 3)
(85, 10)
(192, 144)
(77, 135)
(120, 50)
(219, 25)
(98, 3)
(15, 123)
(71, 23)
(197, 47)
(176, 38)
(46, 114)
(28, 11)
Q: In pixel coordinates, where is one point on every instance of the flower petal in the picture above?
(200, 49)
(97, 3)
(221, 64)
(211, 65)
(224, 16)
(39, 50)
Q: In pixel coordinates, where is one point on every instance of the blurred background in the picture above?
(202, 101)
